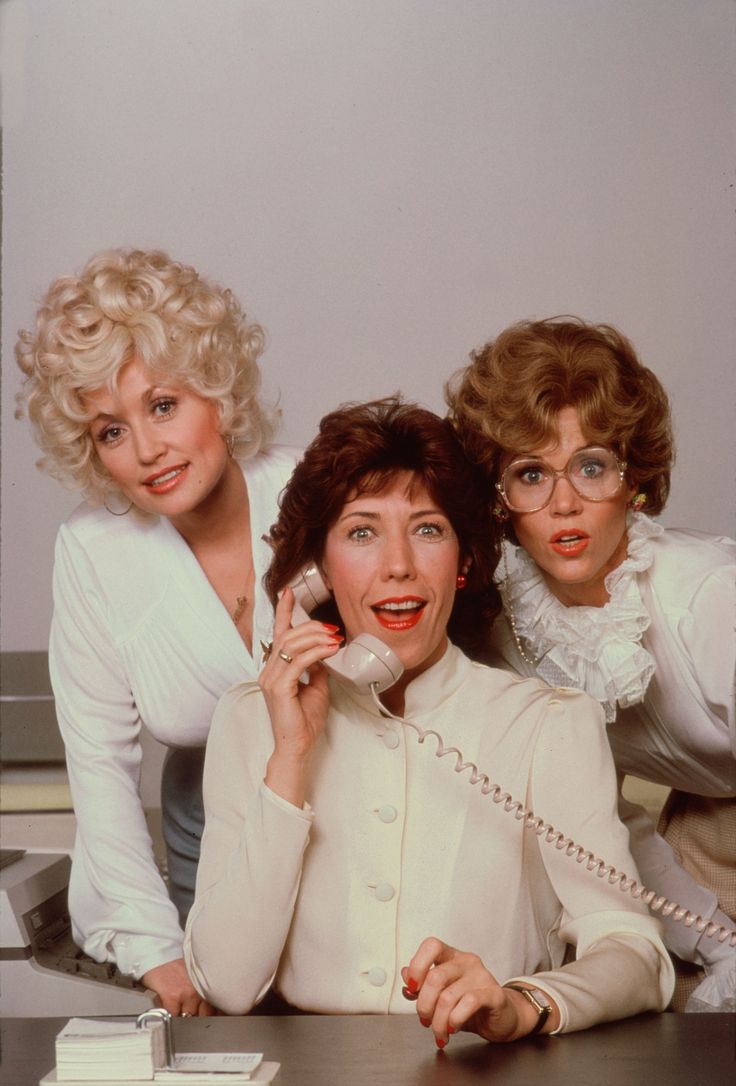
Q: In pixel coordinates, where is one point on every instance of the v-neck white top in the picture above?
(139, 637)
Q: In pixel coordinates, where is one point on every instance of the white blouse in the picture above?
(140, 638)
(660, 658)
(334, 899)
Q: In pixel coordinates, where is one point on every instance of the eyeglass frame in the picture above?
(621, 464)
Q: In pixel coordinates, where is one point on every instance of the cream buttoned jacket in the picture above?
(330, 901)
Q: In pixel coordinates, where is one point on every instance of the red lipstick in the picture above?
(570, 542)
(399, 612)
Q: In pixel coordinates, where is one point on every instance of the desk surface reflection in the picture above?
(358, 1050)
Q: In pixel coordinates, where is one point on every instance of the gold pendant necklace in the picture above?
(240, 605)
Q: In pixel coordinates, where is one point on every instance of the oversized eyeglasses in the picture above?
(528, 483)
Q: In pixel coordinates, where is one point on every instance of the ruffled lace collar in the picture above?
(596, 649)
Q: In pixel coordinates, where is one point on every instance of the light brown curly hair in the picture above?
(508, 399)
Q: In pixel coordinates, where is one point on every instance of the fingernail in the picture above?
(451, 1030)
(412, 985)
(426, 1021)
(440, 1042)
(337, 637)
(329, 626)
(408, 994)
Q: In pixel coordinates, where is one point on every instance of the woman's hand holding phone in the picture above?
(453, 990)
(298, 710)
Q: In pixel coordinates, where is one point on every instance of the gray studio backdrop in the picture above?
(385, 184)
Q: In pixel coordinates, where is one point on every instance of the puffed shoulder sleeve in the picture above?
(118, 902)
(708, 632)
(250, 863)
(621, 964)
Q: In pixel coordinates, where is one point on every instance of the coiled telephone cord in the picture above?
(656, 902)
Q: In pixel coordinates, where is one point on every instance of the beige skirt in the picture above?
(702, 833)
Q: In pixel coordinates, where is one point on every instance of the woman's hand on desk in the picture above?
(298, 711)
(454, 990)
(175, 991)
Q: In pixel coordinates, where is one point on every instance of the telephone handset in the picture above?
(369, 667)
(365, 664)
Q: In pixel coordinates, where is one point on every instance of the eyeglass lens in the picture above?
(594, 473)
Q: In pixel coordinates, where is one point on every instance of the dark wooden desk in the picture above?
(367, 1050)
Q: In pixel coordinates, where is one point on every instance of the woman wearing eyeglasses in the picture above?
(574, 434)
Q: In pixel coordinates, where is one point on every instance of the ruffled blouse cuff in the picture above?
(136, 954)
(717, 992)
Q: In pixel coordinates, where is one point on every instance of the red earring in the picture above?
(461, 581)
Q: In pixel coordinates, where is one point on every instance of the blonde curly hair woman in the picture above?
(141, 383)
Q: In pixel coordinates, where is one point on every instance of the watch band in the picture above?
(539, 1001)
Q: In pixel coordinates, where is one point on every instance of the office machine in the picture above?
(42, 972)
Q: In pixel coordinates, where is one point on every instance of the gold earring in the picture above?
(638, 502)
(116, 512)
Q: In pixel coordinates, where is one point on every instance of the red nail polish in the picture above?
(440, 1042)
(412, 985)
(408, 994)
(337, 637)
(451, 1030)
(330, 627)
(426, 1022)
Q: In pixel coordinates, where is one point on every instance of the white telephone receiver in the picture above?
(366, 663)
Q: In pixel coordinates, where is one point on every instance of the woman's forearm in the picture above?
(246, 892)
(287, 776)
(618, 976)
(660, 871)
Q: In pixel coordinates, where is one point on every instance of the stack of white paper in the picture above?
(90, 1049)
(110, 1052)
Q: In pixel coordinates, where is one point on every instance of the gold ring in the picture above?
(285, 656)
(185, 1014)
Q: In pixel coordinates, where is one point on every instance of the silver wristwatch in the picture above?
(539, 1001)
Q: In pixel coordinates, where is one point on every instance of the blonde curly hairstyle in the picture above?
(132, 303)
(508, 399)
